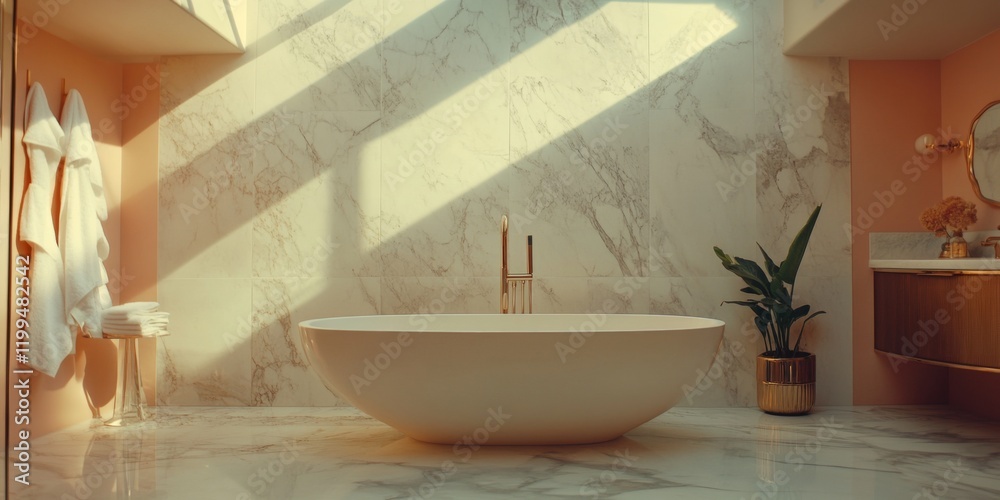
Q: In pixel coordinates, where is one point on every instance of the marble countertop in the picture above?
(971, 264)
(919, 251)
(705, 453)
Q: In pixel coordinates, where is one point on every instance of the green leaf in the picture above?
(752, 271)
(754, 286)
(777, 289)
(748, 303)
(761, 324)
(799, 312)
(790, 267)
(782, 311)
(726, 260)
(772, 268)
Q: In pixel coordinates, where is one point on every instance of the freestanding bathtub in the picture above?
(502, 379)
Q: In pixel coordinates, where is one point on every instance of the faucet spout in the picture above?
(993, 241)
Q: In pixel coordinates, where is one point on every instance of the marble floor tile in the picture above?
(333, 453)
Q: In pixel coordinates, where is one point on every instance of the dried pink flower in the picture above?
(952, 213)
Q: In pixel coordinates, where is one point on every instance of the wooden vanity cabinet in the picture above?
(942, 317)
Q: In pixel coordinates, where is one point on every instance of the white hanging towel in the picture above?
(51, 338)
(81, 235)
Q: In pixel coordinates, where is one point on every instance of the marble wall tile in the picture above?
(701, 55)
(730, 381)
(439, 214)
(584, 196)
(622, 295)
(205, 152)
(445, 139)
(609, 43)
(702, 191)
(702, 170)
(829, 336)
(205, 214)
(579, 136)
(803, 127)
(316, 178)
(788, 190)
(205, 360)
(204, 101)
(365, 151)
(435, 49)
(318, 54)
(281, 375)
(433, 295)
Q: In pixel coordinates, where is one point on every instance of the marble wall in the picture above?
(358, 157)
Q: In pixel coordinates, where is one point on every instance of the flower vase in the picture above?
(954, 248)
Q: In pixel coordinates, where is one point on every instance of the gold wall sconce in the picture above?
(927, 143)
(981, 152)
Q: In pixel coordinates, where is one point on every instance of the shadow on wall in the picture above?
(580, 150)
(95, 363)
(100, 356)
(396, 209)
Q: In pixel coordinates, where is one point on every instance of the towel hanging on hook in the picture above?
(83, 207)
(62, 97)
(44, 138)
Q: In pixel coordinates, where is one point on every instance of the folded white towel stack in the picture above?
(135, 318)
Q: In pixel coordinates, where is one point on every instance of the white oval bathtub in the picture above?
(511, 379)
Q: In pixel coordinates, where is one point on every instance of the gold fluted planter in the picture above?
(786, 386)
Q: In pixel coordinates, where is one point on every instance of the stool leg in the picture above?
(130, 400)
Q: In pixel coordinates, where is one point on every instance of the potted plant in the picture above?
(786, 375)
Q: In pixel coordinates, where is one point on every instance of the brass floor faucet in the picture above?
(514, 288)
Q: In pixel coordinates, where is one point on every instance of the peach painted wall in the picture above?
(85, 383)
(892, 103)
(970, 78)
(140, 160)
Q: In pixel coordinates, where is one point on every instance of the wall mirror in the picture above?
(983, 154)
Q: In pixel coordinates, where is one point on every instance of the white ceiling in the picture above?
(856, 29)
(886, 29)
(133, 29)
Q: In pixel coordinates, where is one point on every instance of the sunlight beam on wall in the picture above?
(456, 129)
